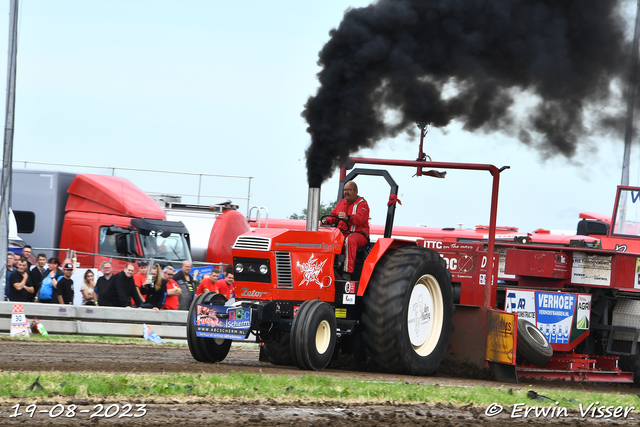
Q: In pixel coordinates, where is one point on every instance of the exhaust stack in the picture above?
(313, 209)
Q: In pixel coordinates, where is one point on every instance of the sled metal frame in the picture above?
(577, 367)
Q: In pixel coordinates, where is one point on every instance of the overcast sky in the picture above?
(217, 87)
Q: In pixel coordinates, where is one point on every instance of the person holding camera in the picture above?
(153, 289)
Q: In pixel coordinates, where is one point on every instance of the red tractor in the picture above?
(397, 309)
(519, 309)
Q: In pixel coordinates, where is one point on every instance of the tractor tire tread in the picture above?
(384, 302)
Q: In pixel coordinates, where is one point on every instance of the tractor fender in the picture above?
(381, 246)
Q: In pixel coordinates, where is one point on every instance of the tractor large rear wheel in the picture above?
(408, 311)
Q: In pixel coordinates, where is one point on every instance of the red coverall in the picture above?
(357, 233)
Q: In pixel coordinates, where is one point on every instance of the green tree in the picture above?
(325, 209)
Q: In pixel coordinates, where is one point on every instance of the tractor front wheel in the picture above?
(207, 350)
(279, 352)
(313, 335)
(194, 346)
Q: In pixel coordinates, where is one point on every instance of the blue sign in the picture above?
(554, 313)
(198, 272)
(231, 323)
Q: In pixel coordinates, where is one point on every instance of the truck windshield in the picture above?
(116, 242)
(173, 247)
(627, 218)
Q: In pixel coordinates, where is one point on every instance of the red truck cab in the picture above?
(103, 217)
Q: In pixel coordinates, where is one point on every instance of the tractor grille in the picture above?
(255, 243)
(283, 270)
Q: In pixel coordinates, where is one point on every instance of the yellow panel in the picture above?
(501, 337)
(341, 313)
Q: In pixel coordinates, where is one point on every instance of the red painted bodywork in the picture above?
(612, 241)
(505, 236)
(101, 201)
(80, 232)
(103, 194)
(317, 248)
(378, 250)
(541, 267)
(224, 233)
(467, 263)
(411, 232)
(619, 242)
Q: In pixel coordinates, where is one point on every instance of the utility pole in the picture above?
(631, 100)
(7, 157)
(628, 129)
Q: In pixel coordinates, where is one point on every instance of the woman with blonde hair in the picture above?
(153, 289)
(88, 288)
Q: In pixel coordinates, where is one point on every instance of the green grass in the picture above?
(87, 339)
(15, 386)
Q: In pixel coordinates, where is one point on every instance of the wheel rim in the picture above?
(425, 314)
(323, 337)
(537, 335)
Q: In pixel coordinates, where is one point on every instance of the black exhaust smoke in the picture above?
(467, 60)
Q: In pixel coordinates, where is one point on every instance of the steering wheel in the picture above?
(334, 225)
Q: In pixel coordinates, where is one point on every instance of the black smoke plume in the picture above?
(466, 60)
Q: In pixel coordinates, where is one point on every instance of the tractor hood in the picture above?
(273, 239)
(280, 264)
(111, 195)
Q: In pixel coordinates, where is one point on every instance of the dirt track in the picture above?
(58, 356)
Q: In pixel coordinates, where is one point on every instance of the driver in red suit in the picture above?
(354, 210)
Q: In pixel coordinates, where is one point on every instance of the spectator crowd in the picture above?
(47, 281)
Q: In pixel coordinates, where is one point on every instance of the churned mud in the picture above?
(184, 411)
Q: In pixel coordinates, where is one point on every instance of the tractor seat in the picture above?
(363, 252)
(361, 255)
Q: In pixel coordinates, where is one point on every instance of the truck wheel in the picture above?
(279, 352)
(408, 311)
(207, 350)
(313, 335)
(533, 346)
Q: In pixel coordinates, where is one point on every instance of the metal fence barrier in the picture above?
(165, 177)
(91, 260)
(99, 321)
